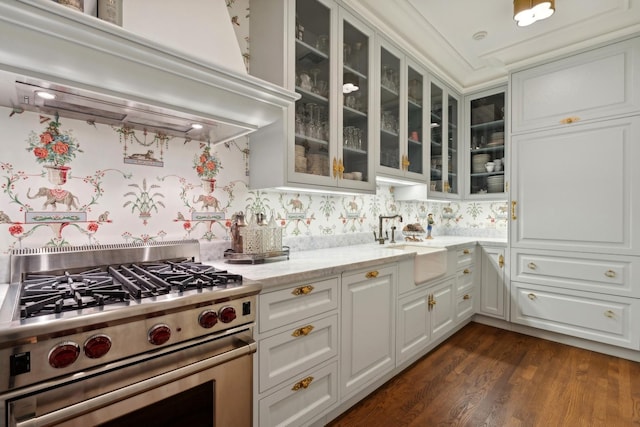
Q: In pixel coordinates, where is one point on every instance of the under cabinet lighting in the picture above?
(196, 126)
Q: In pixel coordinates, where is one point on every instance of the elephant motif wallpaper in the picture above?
(70, 182)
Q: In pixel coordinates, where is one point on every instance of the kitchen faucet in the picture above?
(379, 238)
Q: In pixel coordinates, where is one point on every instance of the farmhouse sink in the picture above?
(429, 262)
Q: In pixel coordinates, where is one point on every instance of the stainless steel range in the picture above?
(123, 335)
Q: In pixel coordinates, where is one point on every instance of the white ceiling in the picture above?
(441, 33)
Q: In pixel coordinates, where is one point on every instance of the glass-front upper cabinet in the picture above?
(485, 134)
(356, 160)
(402, 116)
(444, 137)
(323, 53)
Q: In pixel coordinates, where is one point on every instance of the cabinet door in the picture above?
(355, 163)
(391, 82)
(415, 154)
(445, 117)
(414, 324)
(492, 284)
(368, 327)
(577, 188)
(604, 82)
(442, 308)
(486, 138)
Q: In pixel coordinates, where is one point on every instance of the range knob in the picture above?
(159, 334)
(97, 346)
(64, 354)
(227, 314)
(208, 319)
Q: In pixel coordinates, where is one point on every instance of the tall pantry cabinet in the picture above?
(575, 192)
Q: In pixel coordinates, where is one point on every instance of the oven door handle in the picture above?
(106, 399)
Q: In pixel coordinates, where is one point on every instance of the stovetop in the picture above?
(55, 288)
(43, 294)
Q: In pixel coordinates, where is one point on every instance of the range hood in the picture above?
(103, 73)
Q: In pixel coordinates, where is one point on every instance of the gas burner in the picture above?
(47, 294)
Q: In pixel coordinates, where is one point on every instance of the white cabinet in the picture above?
(424, 315)
(445, 154)
(297, 360)
(403, 115)
(466, 287)
(314, 47)
(577, 188)
(602, 83)
(368, 327)
(485, 139)
(493, 290)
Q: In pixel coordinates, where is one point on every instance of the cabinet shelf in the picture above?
(312, 142)
(307, 95)
(353, 113)
(490, 149)
(495, 124)
(414, 142)
(305, 51)
(486, 174)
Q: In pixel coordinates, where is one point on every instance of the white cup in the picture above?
(489, 166)
(498, 165)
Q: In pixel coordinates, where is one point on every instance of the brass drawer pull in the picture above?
(569, 120)
(466, 252)
(466, 271)
(532, 266)
(372, 274)
(302, 384)
(501, 260)
(302, 290)
(610, 273)
(467, 296)
(532, 297)
(610, 314)
(304, 331)
(513, 210)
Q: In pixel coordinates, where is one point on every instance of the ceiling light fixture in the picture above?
(45, 95)
(526, 12)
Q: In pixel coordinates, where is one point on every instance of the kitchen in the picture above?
(134, 201)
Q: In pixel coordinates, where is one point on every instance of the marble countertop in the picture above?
(314, 264)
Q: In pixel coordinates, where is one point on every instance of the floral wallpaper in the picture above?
(70, 182)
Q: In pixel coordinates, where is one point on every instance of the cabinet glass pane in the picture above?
(312, 83)
(451, 186)
(487, 144)
(355, 117)
(414, 121)
(389, 110)
(436, 138)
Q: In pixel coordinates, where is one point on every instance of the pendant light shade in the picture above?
(526, 12)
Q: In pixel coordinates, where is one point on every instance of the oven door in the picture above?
(207, 383)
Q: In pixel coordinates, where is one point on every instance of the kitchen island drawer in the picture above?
(466, 304)
(301, 400)
(604, 318)
(293, 351)
(466, 257)
(611, 274)
(287, 306)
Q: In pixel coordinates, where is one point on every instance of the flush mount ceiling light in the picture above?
(526, 12)
(350, 83)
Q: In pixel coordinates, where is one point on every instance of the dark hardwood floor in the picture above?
(484, 376)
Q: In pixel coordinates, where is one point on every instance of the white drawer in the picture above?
(611, 274)
(302, 399)
(465, 279)
(603, 318)
(466, 256)
(465, 304)
(291, 305)
(296, 350)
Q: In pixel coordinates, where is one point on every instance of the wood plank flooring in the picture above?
(485, 376)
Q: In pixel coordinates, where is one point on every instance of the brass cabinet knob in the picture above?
(466, 251)
(610, 314)
(466, 271)
(466, 296)
(610, 273)
(532, 266)
(372, 274)
(569, 120)
(304, 331)
(302, 290)
(302, 384)
(501, 260)
(532, 296)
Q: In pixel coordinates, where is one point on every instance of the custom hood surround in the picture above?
(104, 73)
